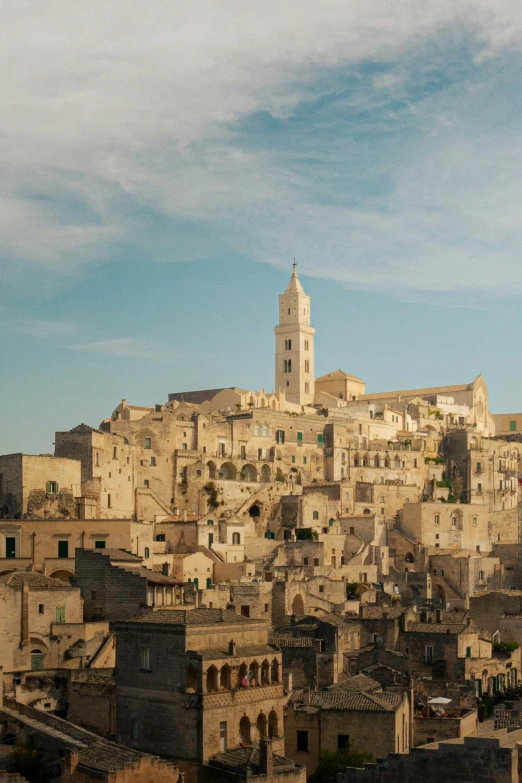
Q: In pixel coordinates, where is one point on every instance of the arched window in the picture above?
(147, 552)
(474, 521)
(376, 461)
(356, 461)
(37, 660)
(209, 582)
(286, 365)
(244, 731)
(331, 522)
(242, 676)
(265, 673)
(191, 682)
(275, 671)
(261, 725)
(366, 461)
(212, 679)
(265, 430)
(225, 677)
(254, 674)
(273, 725)
(289, 365)
(316, 515)
(236, 538)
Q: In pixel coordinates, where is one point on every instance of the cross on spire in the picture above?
(294, 266)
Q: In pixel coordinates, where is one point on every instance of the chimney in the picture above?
(231, 647)
(165, 569)
(266, 759)
(438, 615)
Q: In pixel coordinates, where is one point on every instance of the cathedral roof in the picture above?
(338, 374)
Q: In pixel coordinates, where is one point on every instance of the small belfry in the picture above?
(294, 359)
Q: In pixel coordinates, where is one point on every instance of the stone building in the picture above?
(211, 671)
(447, 525)
(371, 721)
(38, 487)
(239, 765)
(115, 585)
(50, 545)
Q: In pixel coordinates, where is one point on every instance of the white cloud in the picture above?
(132, 347)
(108, 106)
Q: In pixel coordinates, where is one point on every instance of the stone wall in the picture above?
(108, 592)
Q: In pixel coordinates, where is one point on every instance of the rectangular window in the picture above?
(60, 614)
(146, 483)
(99, 544)
(481, 576)
(293, 458)
(305, 460)
(185, 447)
(10, 546)
(41, 608)
(319, 437)
(316, 561)
(478, 467)
(429, 654)
(513, 426)
(302, 741)
(223, 736)
(437, 519)
(109, 501)
(63, 549)
(468, 652)
(153, 461)
(479, 487)
(115, 452)
(299, 438)
(145, 658)
(414, 463)
(52, 488)
(307, 365)
(343, 741)
(280, 436)
(306, 345)
(148, 443)
(305, 561)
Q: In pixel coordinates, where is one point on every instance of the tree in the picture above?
(333, 762)
(27, 759)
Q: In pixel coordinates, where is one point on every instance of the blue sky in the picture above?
(161, 167)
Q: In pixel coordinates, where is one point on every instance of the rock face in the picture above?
(40, 505)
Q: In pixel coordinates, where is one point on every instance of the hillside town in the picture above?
(244, 585)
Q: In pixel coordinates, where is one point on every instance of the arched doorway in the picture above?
(273, 727)
(211, 467)
(191, 682)
(265, 474)
(298, 606)
(409, 558)
(244, 731)
(261, 725)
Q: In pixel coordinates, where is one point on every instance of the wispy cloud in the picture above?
(132, 347)
(39, 328)
(404, 177)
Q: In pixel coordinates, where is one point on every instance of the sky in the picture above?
(163, 163)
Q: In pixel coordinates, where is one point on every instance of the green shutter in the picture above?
(60, 614)
(513, 426)
(319, 438)
(299, 437)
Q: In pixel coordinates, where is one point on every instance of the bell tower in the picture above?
(294, 359)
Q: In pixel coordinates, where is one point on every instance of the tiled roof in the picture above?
(449, 628)
(107, 756)
(17, 579)
(418, 392)
(359, 683)
(154, 577)
(338, 374)
(193, 617)
(242, 757)
(120, 555)
(355, 702)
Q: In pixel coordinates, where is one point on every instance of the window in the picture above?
(145, 659)
(153, 461)
(468, 652)
(302, 741)
(305, 460)
(52, 488)
(513, 426)
(266, 607)
(97, 459)
(474, 521)
(93, 595)
(315, 515)
(428, 656)
(209, 582)
(307, 365)
(147, 552)
(319, 438)
(479, 488)
(236, 538)
(299, 438)
(135, 729)
(265, 430)
(223, 736)
(437, 519)
(115, 452)
(184, 447)
(210, 540)
(148, 443)
(293, 459)
(307, 387)
(321, 588)
(306, 345)
(305, 561)
(343, 741)
(280, 436)
(289, 365)
(146, 483)
(37, 660)
(99, 544)
(481, 576)
(60, 614)
(478, 467)
(331, 522)
(316, 561)
(63, 549)
(109, 501)
(10, 546)
(41, 608)
(454, 521)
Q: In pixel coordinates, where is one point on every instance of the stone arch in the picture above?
(261, 725)
(244, 731)
(242, 679)
(248, 472)
(63, 574)
(367, 511)
(225, 677)
(212, 679)
(366, 461)
(228, 471)
(254, 674)
(265, 474)
(298, 605)
(274, 670)
(265, 673)
(211, 467)
(356, 460)
(191, 680)
(397, 462)
(409, 558)
(254, 511)
(377, 461)
(273, 725)
(387, 461)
